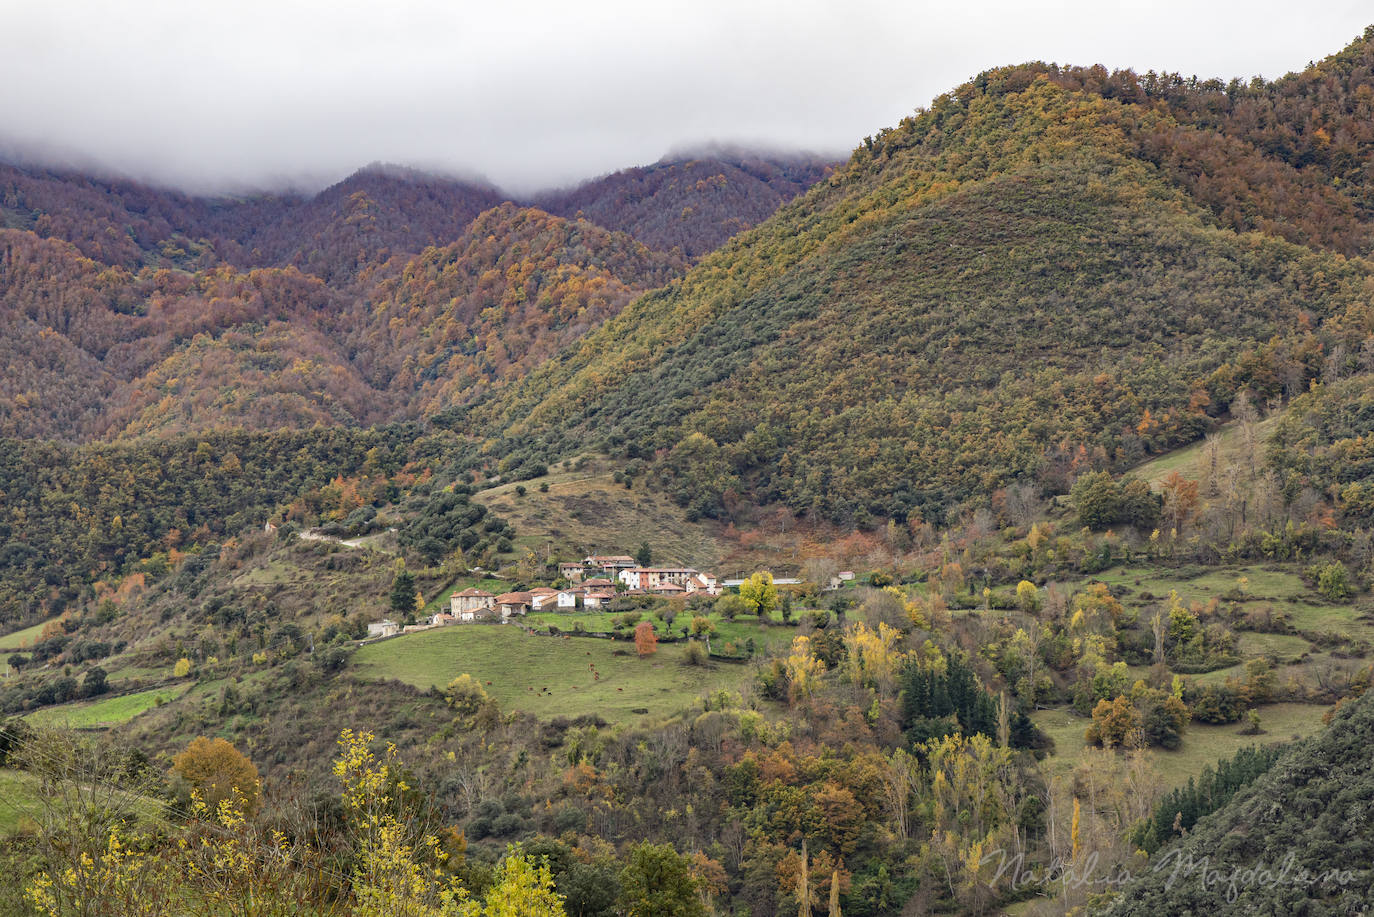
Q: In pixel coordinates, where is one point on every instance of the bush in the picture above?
(731, 606)
(1333, 582)
(1102, 502)
(569, 819)
(695, 654)
(1113, 722)
(95, 683)
(506, 825)
(217, 770)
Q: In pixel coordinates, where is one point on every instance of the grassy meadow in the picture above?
(108, 711)
(1203, 744)
(22, 639)
(738, 632)
(550, 676)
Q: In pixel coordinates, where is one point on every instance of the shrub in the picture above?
(217, 770)
(1333, 582)
(506, 825)
(569, 819)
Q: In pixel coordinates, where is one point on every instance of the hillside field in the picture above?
(584, 511)
(110, 711)
(1203, 744)
(550, 676)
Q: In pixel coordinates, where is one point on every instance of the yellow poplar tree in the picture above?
(522, 889)
(804, 670)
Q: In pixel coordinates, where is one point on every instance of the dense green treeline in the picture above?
(75, 514)
(1177, 813)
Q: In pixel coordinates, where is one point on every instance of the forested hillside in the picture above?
(1294, 841)
(76, 514)
(1030, 278)
(693, 204)
(129, 310)
(517, 287)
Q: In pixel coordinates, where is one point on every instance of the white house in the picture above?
(567, 600)
(702, 583)
(543, 601)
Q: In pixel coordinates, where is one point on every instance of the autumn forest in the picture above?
(1022, 462)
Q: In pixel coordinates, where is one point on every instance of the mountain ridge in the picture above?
(990, 137)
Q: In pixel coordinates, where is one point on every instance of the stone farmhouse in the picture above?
(513, 603)
(472, 605)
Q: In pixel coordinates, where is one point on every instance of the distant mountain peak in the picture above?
(415, 175)
(738, 152)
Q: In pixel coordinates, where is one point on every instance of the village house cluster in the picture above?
(592, 584)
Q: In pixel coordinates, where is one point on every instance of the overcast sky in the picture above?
(235, 93)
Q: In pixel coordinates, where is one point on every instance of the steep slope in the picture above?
(1003, 287)
(689, 204)
(133, 310)
(60, 312)
(1325, 443)
(1319, 122)
(110, 220)
(98, 351)
(375, 214)
(514, 290)
(1296, 841)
